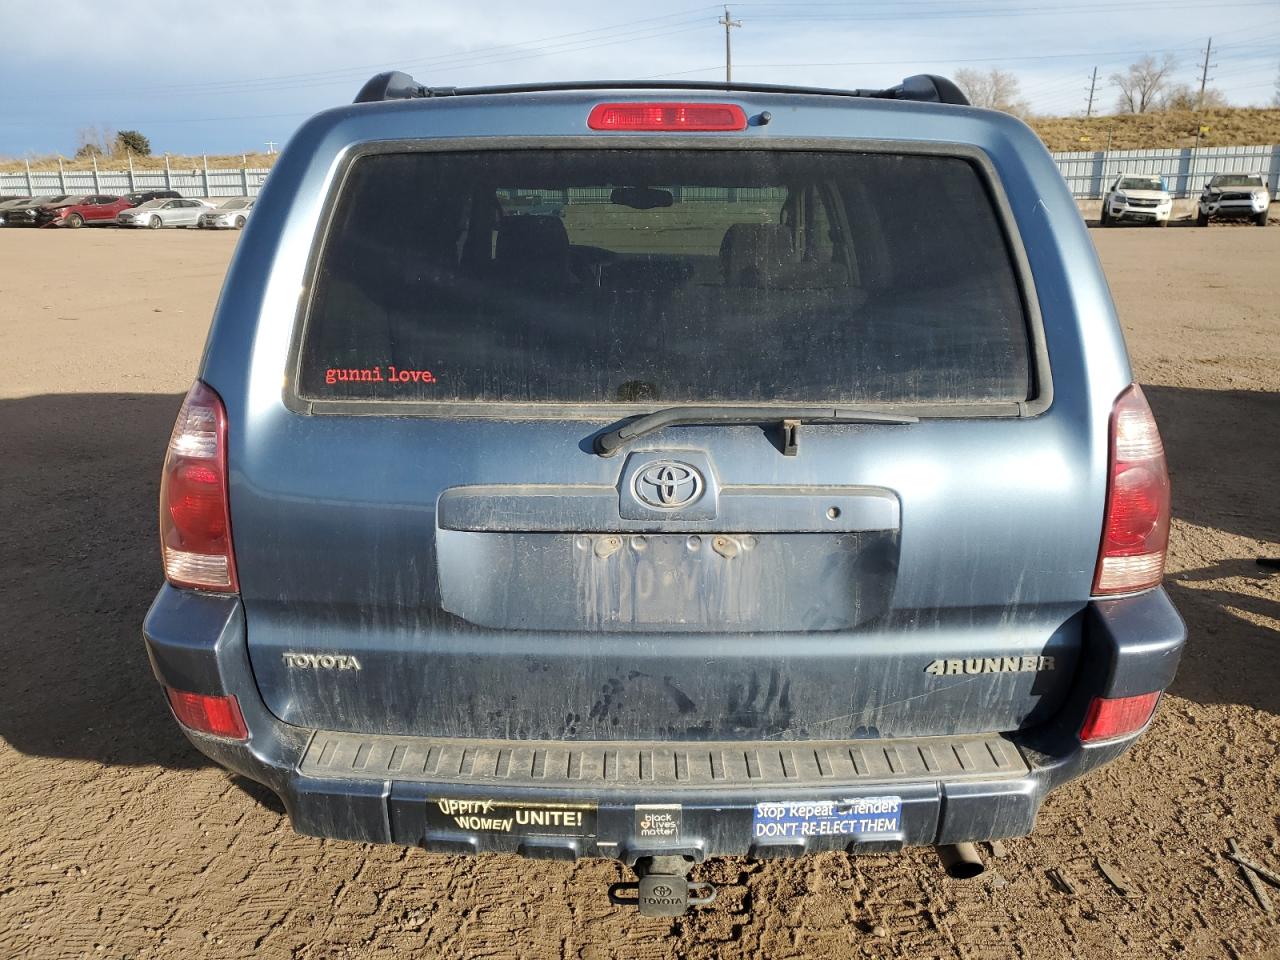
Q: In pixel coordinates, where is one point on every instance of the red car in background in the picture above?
(75, 212)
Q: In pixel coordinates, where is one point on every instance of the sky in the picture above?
(227, 76)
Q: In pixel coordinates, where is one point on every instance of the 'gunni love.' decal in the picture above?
(384, 373)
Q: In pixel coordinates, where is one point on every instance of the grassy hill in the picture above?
(177, 163)
(1241, 127)
(1233, 127)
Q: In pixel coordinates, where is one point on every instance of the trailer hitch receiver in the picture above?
(662, 889)
(661, 895)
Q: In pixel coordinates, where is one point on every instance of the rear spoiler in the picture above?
(921, 88)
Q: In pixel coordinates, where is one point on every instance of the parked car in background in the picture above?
(1140, 198)
(75, 212)
(155, 214)
(1235, 196)
(138, 198)
(11, 203)
(23, 213)
(230, 214)
(675, 527)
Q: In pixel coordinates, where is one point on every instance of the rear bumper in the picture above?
(593, 798)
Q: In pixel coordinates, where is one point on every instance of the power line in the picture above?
(488, 56)
(912, 5)
(951, 11)
(462, 64)
(483, 53)
(942, 57)
(482, 56)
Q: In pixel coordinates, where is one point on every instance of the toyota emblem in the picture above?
(668, 485)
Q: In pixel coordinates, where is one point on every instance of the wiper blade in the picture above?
(609, 443)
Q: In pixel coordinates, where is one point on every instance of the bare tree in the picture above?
(1182, 96)
(1143, 83)
(995, 89)
(1276, 98)
(94, 141)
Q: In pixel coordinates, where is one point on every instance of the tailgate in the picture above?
(428, 544)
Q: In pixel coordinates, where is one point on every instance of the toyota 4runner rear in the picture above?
(664, 472)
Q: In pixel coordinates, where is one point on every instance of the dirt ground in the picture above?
(118, 840)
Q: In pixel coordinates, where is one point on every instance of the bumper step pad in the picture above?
(619, 765)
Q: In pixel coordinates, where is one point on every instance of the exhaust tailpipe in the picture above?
(961, 861)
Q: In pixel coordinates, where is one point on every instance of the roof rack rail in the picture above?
(922, 88)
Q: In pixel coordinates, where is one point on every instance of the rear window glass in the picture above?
(672, 276)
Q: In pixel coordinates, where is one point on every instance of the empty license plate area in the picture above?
(711, 581)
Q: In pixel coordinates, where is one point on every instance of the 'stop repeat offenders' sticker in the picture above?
(866, 817)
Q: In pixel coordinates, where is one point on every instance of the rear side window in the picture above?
(671, 276)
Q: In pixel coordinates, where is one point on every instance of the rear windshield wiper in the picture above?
(790, 418)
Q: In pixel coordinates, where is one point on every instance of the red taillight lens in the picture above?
(195, 525)
(1135, 532)
(1108, 719)
(217, 716)
(667, 116)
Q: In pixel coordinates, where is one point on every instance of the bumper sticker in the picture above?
(861, 816)
(515, 818)
(658, 821)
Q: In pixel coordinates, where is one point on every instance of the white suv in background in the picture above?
(1139, 197)
(1235, 196)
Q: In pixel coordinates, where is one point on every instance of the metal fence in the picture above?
(188, 181)
(1185, 171)
(1088, 174)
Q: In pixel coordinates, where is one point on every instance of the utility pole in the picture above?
(728, 25)
(271, 147)
(1204, 73)
(1093, 85)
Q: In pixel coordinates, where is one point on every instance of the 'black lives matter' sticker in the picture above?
(658, 821)
(513, 817)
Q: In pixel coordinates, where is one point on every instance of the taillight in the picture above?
(667, 116)
(217, 716)
(1135, 531)
(1108, 719)
(195, 522)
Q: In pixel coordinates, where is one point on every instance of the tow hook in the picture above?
(663, 888)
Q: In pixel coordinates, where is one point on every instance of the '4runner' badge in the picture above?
(321, 661)
(948, 668)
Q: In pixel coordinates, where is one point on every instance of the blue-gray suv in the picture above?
(664, 472)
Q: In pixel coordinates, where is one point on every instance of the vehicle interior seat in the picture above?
(533, 251)
(754, 254)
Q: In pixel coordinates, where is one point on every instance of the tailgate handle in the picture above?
(554, 508)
